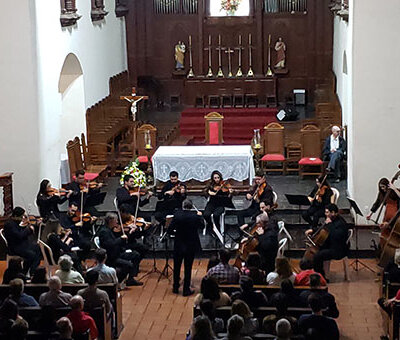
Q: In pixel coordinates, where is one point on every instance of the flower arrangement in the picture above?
(138, 175)
(230, 6)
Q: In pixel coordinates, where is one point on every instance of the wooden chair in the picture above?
(310, 151)
(293, 155)
(274, 150)
(214, 101)
(214, 130)
(141, 143)
(88, 163)
(251, 100)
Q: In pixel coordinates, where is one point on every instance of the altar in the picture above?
(198, 162)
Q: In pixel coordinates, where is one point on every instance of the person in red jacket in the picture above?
(81, 321)
(303, 278)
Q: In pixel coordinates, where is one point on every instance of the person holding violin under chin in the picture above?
(18, 231)
(49, 198)
(320, 197)
(128, 196)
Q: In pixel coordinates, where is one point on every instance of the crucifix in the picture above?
(220, 74)
(250, 73)
(240, 48)
(229, 51)
(210, 72)
(269, 70)
(191, 73)
(133, 99)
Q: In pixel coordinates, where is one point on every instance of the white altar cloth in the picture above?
(198, 162)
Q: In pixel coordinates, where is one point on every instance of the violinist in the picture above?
(18, 232)
(80, 186)
(261, 191)
(220, 194)
(320, 197)
(128, 196)
(335, 247)
(48, 200)
(171, 197)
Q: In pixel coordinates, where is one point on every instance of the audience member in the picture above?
(40, 275)
(17, 294)
(283, 330)
(223, 272)
(55, 297)
(328, 300)
(283, 270)
(19, 329)
(287, 290)
(303, 278)
(212, 262)
(393, 268)
(81, 321)
(14, 270)
(93, 296)
(64, 327)
(106, 274)
(66, 273)
(253, 269)
(207, 308)
(209, 290)
(8, 314)
(281, 303)
(325, 327)
(247, 293)
(201, 329)
(250, 325)
(235, 325)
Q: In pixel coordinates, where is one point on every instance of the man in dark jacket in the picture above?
(334, 149)
(185, 225)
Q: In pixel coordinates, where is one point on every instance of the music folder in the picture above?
(297, 199)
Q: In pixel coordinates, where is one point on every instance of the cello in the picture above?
(315, 242)
(248, 246)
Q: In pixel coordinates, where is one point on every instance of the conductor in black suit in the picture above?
(185, 225)
(334, 149)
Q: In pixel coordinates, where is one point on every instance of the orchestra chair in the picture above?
(344, 260)
(141, 143)
(214, 128)
(282, 229)
(336, 195)
(282, 245)
(274, 149)
(96, 241)
(274, 197)
(310, 162)
(220, 233)
(9, 257)
(48, 259)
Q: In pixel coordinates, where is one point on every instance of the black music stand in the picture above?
(357, 212)
(165, 272)
(298, 200)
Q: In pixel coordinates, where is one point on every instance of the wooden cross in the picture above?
(220, 49)
(229, 51)
(240, 49)
(250, 73)
(210, 72)
(133, 99)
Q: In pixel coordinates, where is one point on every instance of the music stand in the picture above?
(357, 211)
(298, 200)
(165, 238)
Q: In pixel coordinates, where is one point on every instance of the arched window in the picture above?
(220, 8)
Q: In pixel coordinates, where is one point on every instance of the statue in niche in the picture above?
(280, 49)
(180, 50)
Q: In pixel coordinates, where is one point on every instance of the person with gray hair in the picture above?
(283, 330)
(334, 150)
(65, 329)
(235, 325)
(66, 273)
(81, 321)
(55, 297)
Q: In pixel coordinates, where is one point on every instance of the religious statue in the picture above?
(133, 99)
(280, 49)
(180, 50)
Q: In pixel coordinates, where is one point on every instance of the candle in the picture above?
(190, 40)
(219, 39)
(148, 146)
(269, 39)
(240, 39)
(209, 40)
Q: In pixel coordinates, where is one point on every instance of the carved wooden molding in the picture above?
(69, 15)
(213, 116)
(121, 8)
(273, 126)
(98, 13)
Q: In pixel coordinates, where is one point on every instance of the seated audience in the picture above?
(66, 273)
(40, 275)
(392, 269)
(235, 325)
(334, 151)
(8, 314)
(328, 300)
(64, 327)
(223, 272)
(209, 290)
(212, 262)
(247, 293)
(14, 270)
(281, 304)
(303, 278)
(253, 269)
(81, 321)
(324, 326)
(106, 274)
(207, 309)
(93, 296)
(283, 330)
(283, 270)
(17, 294)
(287, 291)
(55, 297)
(201, 329)
(250, 325)
(19, 329)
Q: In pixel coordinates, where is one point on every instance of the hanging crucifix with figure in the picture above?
(133, 99)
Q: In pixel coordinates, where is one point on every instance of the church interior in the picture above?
(251, 142)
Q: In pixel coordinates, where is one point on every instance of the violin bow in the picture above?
(137, 205)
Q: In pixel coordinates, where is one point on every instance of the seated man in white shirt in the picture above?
(106, 274)
(334, 149)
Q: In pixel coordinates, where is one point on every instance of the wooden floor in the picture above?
(152, 311)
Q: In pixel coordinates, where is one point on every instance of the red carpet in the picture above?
(238, 124)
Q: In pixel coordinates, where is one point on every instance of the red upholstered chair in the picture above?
(310, 162)
(274, 150)
(213, 122)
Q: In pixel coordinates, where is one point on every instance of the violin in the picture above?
(31, 220)
(129, 221)
(142, 191)
(259, 191)
(59, 192)
(320, 193)
(86, 217)
(223, 186)
(90, 185)
(178, 188)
